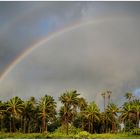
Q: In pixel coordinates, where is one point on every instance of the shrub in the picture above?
(83, 134)
(136, 131)
(72, 130)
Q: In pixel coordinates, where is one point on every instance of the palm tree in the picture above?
(27, 115)
(65, 117)
(15, 107)
(112, 111)
(126, 113)
(92, 113)
(33, 101)
(128, 96)
(47, 107)
(136, 109)
(104, 95)
(2, 111)
(82, 104)
(70, 101)
(109, 95)
(33, 113)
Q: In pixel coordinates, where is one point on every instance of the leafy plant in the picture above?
(83, 134)
(136, 131)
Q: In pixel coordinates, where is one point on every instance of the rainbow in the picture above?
(26, 52)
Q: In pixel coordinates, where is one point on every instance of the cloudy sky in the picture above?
(89, 46)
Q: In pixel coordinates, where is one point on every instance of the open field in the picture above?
(60, 135)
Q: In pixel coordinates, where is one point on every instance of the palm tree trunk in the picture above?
(137, 125)
(46, 131)
(10, 125)
(24, 125)
(113, 127)
(108, 100)
(82, 123)
(89, 127)
(29, 125)
(104, 104)
(67, 127)
(106, 126)
(21, 123)
(0, 123)
(14, 129)
(129, 119)
(43, 124)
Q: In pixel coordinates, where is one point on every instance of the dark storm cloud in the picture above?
(91, 58)
(109, 60)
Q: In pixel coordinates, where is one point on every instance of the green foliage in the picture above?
(129, 126)
(136, 131)
(83, 134)
(76, 117)
(59, 135)
(23, 136)
(54, 125)
(72, 130)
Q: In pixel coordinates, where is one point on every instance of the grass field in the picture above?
(61, 136)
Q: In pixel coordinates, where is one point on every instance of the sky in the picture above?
(89, 46)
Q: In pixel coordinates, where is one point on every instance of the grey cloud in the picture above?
(103, 55)
(91, 58)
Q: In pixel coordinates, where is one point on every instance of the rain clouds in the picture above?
(92, 58)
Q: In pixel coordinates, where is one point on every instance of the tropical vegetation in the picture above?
(75, 118)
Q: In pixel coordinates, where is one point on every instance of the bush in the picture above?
(72, 130)
(136, 131)
(83, 134)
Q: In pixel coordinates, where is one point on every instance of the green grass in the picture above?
(62, 135)
(116, 136)
(22, 136)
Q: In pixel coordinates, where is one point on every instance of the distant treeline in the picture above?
(40, 116)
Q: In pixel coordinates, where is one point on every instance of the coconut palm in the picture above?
(109, 95)
(2, 111)
(70, 101)
(136, 110)
(92, 113)
(82, 104)
(15, 107)
(47, 107)
(112, 111)
(65, 117)
(32, 102)
(27, 114)
(126, 113)
(104, 95)
(128, 96)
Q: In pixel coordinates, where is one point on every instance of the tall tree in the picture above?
(70, 101)
(82, 104)
(109, 95)
(104, 95)
(2, 111)
(126, 113)
(136, 109)
(128, 96)
(15, 107)
(27, 114)
(112, 111)
(92, 113)
(47, 110)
